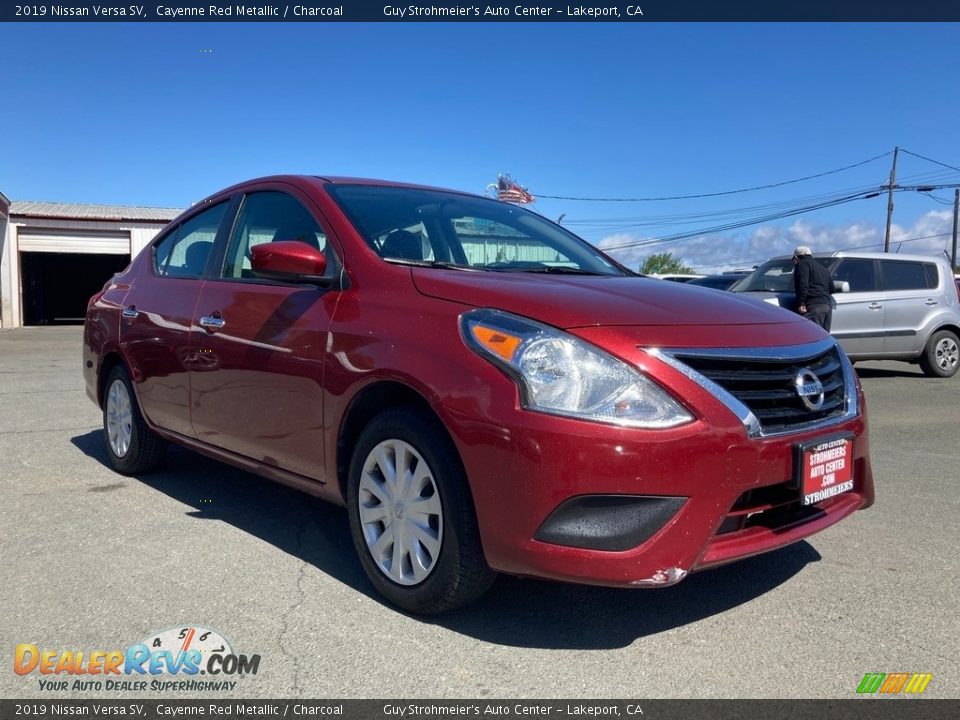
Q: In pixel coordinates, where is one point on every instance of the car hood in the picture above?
(572, 301)
(785, 299)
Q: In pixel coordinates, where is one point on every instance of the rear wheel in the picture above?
(132, 447)
(411, 515)
(941, 356)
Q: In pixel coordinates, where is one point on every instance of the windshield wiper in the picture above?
(557, 269)
(431, 264)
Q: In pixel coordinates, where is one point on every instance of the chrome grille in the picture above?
(766, 385)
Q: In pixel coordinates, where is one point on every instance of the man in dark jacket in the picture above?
(813, 285)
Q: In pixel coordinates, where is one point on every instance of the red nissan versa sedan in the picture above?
(482, 389)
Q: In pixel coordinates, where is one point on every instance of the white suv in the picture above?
(887, 306)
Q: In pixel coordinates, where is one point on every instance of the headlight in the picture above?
(560, 374)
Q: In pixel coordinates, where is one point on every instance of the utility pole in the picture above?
(893, 180)
(956, 211)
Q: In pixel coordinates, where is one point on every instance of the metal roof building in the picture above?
(79, 211)
(54, 256)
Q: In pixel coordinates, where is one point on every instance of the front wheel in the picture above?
(132, 447)
(411, 515)
(941, 356)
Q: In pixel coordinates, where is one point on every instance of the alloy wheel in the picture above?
(947, 353)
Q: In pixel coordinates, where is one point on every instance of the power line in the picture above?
(739, 224)
(896, 242)
(625, 223)
(728, 211)
(874, 192)
(739, 217)
(939, 200)
(717, 194)
(735, 218)
(935, 162)
(933, 176)
(649, 223)
(619, 224)
(926, 188)
(844, 249)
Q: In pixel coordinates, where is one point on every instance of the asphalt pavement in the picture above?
(91, 560)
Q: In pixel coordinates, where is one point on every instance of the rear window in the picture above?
(908, 275)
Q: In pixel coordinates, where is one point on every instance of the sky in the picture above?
(166, 114)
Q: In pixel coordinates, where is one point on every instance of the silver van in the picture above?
(887, 306)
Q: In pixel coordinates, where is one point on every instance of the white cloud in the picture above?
(719, 252)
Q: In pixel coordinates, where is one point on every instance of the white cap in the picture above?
(802, 250)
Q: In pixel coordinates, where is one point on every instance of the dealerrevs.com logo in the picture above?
(185, 658)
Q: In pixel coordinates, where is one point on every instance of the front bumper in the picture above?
(732, 490)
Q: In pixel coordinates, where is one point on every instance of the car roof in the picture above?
(349, 180)
(316, 181)
(869, 256)
(319, 180)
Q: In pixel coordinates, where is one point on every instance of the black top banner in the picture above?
(467, 11)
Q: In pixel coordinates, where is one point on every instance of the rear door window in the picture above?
(908, 275)
(184, 251)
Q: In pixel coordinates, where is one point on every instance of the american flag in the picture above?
(509, 191)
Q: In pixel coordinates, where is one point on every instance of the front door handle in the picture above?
(212, 322)
(130, 313)
(874, 306)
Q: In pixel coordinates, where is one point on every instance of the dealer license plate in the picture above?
(826, 469)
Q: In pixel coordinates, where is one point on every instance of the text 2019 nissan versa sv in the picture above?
(483, 390)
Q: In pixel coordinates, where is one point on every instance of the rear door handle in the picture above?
(874, 306)
(931, 301)
(212, 322)
(131, 313)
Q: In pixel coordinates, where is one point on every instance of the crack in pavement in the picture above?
(294, 606)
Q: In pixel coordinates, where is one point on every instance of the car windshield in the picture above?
(444, 229)
(772, 276)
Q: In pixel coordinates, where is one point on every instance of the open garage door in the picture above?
(97, 242)
(56, 286)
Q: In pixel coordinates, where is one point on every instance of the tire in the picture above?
(941, 356)
(438, 565)
(132, 447)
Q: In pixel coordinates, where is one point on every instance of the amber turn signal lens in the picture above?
(496, 341)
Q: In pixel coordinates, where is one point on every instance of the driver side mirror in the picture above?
(841, 286)
(290, 261)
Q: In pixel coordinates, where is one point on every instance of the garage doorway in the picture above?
(56, 286)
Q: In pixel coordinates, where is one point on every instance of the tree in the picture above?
(665, 263)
